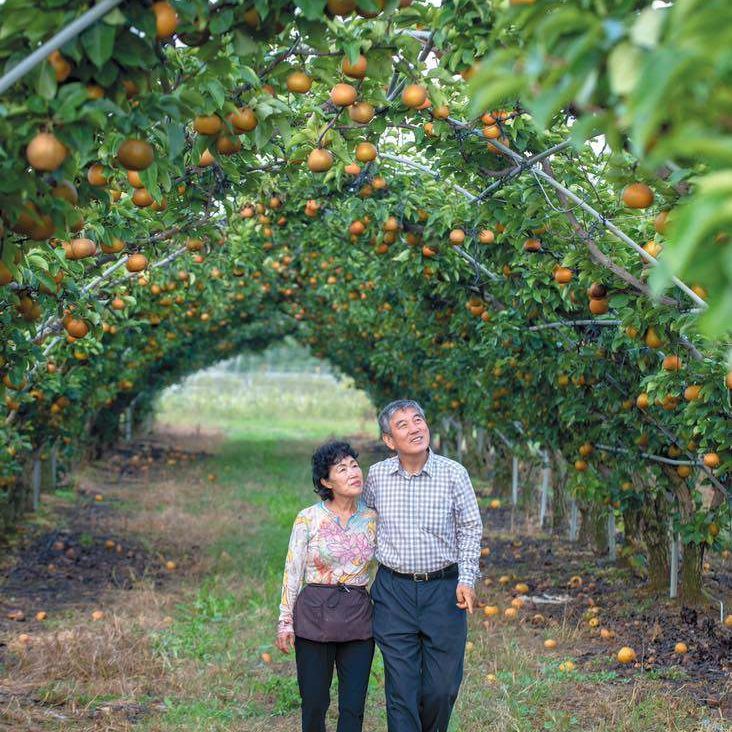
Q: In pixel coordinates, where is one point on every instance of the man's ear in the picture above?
(388, 441)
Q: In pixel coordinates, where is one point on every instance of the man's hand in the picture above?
(465, 597)
(285, 641)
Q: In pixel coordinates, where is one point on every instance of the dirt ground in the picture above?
(117, 537)
(78, 557)
(569, 586)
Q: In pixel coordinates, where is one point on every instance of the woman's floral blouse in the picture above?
(324, 552)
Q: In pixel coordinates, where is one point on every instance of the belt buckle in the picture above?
(420, 576)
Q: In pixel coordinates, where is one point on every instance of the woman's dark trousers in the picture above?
(315, 671)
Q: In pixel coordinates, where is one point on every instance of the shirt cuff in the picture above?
(285, 626)
(465, 580)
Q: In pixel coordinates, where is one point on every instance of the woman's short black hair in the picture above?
(324, 458)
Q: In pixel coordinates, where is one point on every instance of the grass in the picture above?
(191, 652)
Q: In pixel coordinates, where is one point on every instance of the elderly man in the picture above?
(427, 545)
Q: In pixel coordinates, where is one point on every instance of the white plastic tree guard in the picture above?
(674, 545)
(573, 520)
(36, 479)
(128, 423)
(545, 480)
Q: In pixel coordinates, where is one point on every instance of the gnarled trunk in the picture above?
(593, 529)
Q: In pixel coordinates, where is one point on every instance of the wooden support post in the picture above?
(459, 440)
(612, 549)
(514, 481)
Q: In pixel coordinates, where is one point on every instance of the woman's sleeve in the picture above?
(294, 572)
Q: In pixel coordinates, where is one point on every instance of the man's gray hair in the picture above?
(392, 408)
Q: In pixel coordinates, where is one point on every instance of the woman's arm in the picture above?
(294, 572)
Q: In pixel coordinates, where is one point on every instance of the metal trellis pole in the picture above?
(63, 36)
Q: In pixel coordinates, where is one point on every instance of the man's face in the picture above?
(410, 434)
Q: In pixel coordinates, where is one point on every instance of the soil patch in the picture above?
(569, 585)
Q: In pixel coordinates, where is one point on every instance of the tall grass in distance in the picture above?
(282, 392)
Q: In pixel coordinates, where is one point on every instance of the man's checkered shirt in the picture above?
(426, 521)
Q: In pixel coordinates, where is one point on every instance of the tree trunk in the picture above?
(559, 498)
(691, 590)
(502, 473)
(593, 529)
(654, 529)
(690, 575)
(104, 430)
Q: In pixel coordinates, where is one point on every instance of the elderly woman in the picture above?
(325, 612)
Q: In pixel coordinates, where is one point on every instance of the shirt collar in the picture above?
(428, 467)
(360, 507)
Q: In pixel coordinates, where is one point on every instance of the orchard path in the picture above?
(180, 648)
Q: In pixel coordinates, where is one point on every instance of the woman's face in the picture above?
(345, 478)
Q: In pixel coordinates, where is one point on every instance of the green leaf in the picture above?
(646, 30)
(216, 91)
(403, 256)
(37, 260)
(46, 81)
(193, 99)
(133, 52)
(7, 255)
(648, 102)
(114, 17)
(311, 9)
(244, 44)
(221, 21)
(98, 42)
(283, 125)
(263, 133)
(380, 64)
(176, 139)
(46, 280)
(71, 97)
(249, 75)
(149, 177)
(489, 90)
(624, 64)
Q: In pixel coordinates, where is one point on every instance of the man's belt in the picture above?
(450, 571)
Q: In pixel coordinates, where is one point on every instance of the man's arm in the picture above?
(369, 492)
(469, 530)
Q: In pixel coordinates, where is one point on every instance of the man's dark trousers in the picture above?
(421, 633)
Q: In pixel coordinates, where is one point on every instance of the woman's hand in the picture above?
(285, 641)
